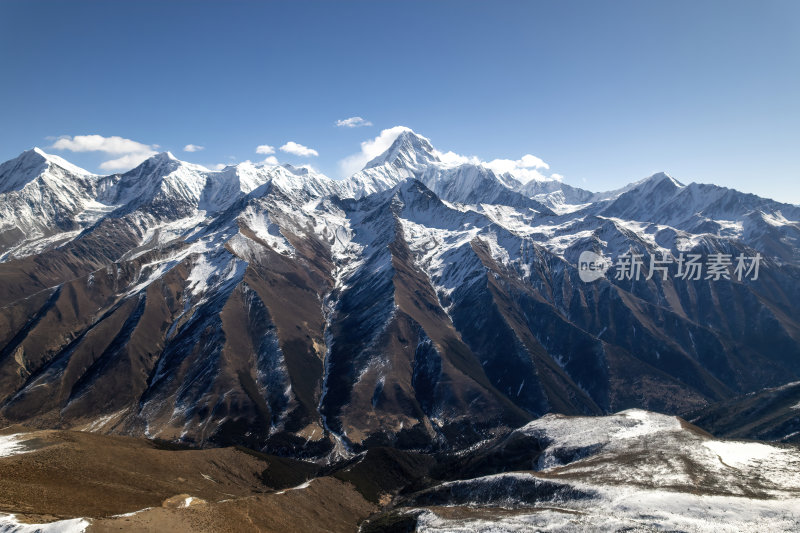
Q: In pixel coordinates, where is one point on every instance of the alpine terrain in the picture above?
(411, 347)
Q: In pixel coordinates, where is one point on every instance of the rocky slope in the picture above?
(771, 414)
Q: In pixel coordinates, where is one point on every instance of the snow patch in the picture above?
(12, 445)
(301, 486)
(10, 524)
(267, 231)
(740, 453)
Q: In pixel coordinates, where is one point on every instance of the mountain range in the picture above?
(418, 304)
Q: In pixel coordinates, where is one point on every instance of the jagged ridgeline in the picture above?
(420, 304)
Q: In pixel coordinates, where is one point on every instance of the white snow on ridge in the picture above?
(266, 230)
(731, 463)
(776, 220)
(87, 198)
(301, 486)
(515, 220)
(10, 524)
(372, 180)
(38, 245)
(93, 211)
(435, 249)
(640, 471)
(631, 510)
(213, 270)
(577, 432)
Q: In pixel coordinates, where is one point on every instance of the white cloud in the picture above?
(265, 149)
(97, 143)
(353, 122)
(193, 148)
(269, 160)
(507, 165)
(298, 149)
(126, 162)
(452, 159)
(369, 150)
(131, 152)
(524, 169)
(531, 161)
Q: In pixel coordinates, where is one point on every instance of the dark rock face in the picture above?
(771, 414)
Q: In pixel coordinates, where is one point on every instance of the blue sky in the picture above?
(604, 92)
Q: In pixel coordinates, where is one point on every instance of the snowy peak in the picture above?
(697, 207)
(413, 156)
(33, 156)
(409, 150)
(660, 184)
(51, 159)
(14, 174)
(41, 195)
(409, 155)
(645, 198)
(169, 186)
(224, 187)
(303, 180)
(162, 163)
(661, 180)
(29, 165)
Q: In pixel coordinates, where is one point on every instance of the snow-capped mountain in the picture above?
(419, 303)
(42, 197)
(409, 151)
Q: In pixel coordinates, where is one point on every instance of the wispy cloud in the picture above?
(353, 122)
(130, 152)
(271, 160)
(298, 149)
(193, 148)
(265, 149)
